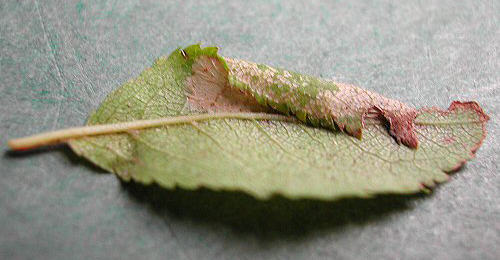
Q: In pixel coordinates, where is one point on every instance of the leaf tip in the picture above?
(470, 105)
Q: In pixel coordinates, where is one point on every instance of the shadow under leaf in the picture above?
(275, 217)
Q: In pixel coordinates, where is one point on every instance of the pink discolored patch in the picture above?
(208, 90)
(448, 140)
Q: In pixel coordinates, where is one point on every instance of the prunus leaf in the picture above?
(266, 157)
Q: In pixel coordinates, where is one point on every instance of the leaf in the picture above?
(266, 157)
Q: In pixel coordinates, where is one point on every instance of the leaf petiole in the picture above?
(61, 136)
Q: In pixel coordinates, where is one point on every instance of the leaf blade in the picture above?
(264, 158)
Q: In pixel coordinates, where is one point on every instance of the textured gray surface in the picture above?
(59, 59)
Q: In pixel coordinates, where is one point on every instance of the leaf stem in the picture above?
(61, 136)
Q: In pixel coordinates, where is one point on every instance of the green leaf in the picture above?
(263, 157)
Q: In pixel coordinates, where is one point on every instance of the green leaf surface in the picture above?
(262, 157)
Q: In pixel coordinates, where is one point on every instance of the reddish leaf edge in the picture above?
(467, 105)
(474, 106)
(483, 119)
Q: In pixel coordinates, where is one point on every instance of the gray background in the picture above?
(59, 59)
